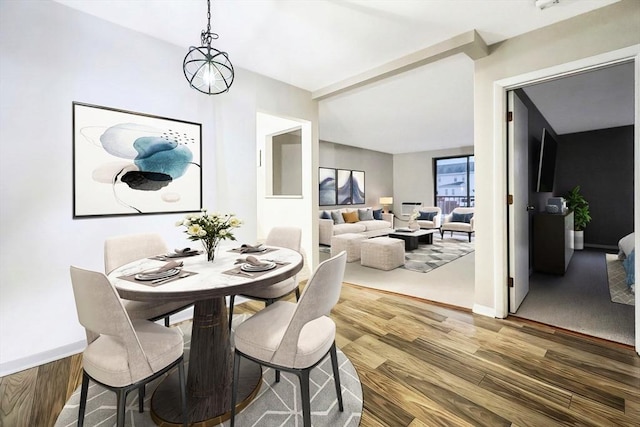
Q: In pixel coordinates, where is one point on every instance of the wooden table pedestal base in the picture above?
(165, 403)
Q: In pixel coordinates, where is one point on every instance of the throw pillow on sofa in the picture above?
(365, 214)
(325, 215)
(337, 217)
(427, 216)
(377, 214)
(350, 217)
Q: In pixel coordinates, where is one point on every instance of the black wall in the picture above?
(601, 162)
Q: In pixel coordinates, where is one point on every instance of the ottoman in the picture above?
(383, 253)
(349, 242)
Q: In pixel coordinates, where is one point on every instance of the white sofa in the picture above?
(367, 227)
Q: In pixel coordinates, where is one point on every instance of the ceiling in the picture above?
(314, 44)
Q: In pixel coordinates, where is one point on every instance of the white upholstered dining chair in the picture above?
(295, 337)
(121, 250)
(284, 237)
(121, 354)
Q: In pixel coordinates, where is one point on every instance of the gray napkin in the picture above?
(245, 248)
(251, 260)
(168, 266)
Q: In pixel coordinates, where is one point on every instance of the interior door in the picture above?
(518, 212)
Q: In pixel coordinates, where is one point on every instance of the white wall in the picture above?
(50, 56)
(413, 175)
(607, 29)
(297, 211)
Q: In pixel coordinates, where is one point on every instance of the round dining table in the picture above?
(209, 370)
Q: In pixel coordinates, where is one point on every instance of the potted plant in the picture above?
(581, 217)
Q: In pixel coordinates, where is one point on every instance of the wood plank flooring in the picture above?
(423, 364)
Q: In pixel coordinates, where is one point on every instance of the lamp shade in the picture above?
(386, 200)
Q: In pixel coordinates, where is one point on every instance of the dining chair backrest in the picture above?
(100, 311)
(121, 250)
(285, 237)
(318, 298)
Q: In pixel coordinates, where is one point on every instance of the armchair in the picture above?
(460, 220)
(430, 217)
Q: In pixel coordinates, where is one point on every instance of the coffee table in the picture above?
(413, 238)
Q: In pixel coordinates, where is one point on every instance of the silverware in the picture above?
(245, 273)
(166, 279)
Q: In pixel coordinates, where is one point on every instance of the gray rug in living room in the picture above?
(277, 404)
(441, 252)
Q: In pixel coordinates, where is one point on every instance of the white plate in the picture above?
(250, 267)
(157, 275)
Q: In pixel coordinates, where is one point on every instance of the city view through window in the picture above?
(455, 183)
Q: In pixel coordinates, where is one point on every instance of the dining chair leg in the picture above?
(277, 375)
(234, 387)
(232, 299)
(83, 398)
(121, 403)
(166, 321)
(141, 393)
(297, 293)
(336, 375)
(183, 394)
(306, 397)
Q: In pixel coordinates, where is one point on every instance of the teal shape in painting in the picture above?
(162, 156)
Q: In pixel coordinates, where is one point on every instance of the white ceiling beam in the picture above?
(469, 43)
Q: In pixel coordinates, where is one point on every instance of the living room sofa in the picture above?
(353, 220)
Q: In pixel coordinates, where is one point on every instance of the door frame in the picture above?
(500, 88)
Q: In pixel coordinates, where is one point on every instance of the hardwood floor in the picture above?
(423, 364)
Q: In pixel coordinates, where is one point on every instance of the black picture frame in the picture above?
(130, 163)
(328, 186)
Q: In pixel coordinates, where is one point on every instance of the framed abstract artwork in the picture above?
(128, 163)
(327, 182)
(357, 187)
(344, 187)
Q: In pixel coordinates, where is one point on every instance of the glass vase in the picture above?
(210, 247)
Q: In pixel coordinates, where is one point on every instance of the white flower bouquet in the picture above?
(210, 229)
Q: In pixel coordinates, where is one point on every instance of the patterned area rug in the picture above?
(618, 288)
(428, 257)
(277, 404)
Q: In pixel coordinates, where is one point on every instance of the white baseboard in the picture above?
(8, 368)
(484, 310)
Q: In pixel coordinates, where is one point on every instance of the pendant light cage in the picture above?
(207, 69)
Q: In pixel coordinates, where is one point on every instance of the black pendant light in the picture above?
(208, 70)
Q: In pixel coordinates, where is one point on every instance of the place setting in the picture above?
(169, 272)
(252, 266)
(258, 248)
(177, 253)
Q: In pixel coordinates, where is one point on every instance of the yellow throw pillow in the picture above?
(350, 217)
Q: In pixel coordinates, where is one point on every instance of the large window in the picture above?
(455, 182)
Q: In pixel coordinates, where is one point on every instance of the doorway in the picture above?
(538, 201)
